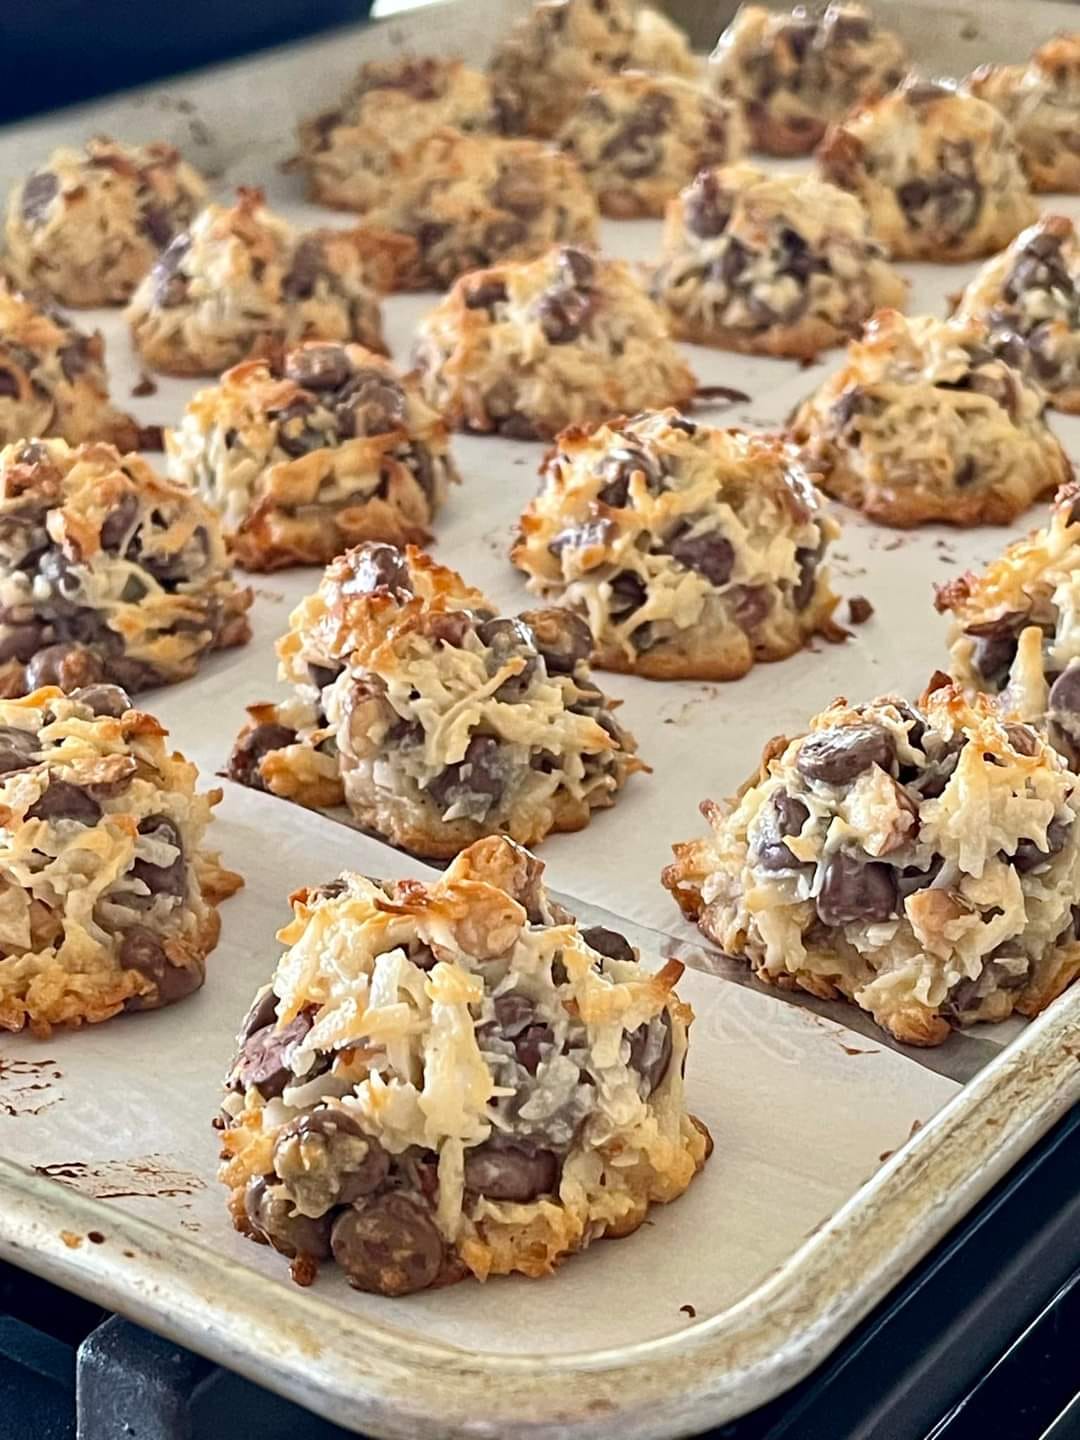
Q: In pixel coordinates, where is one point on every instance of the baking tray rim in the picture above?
(372, 1376)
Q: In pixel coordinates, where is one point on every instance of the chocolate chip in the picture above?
(508, 640)
(650, 1050)
(784, 815)
(118, 524)
(628, 593)
(1023, 739)
(373, 402)
(156, 224)
(63, 801)
(170, 285)
(376, 566)
(388, 1245)
(923, 92)
(564, 314)
(18, 749)
(1029, 856)
(263, 1011)
(274, 1218)
(38, 193)
(323, 675)
(263, 1063)
(9, 385)
(1065, 692)
(142, 950)
(21, 642)
(852, 403)
(318, 367)
(807, 561)
(995, 645)
(617, 468)
(485, 295)
(327, 1136)
(608, 943)
(308, 265)
(561, 637)
(252, 747)
(706, 206)
(294, 435)
(837, 755)
(711, 555)
(170, 879)
(505, 1171)
(474, 774)
(751, 604)
(577, 266)
(69, 666)
(854, 890)
(75, 357)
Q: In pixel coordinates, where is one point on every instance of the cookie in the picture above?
(88, 227)
(640, 138)
(689, 552)
(468, 201)
(52, 379)
(923, 864)
(356, 154)
(528, 349)
(797, 71)
(454, 1079)
(306, 454)
(1029, 299)
(658, 45)
(1041, 101)
(242, 281)
(938, 170)
(108, 572)
(109, 896)
(436, 721)
(1013, 629)
(924, 423)
(770, 264)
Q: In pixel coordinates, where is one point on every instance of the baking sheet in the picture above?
(806, 1100)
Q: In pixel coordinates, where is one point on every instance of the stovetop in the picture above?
(980, 1343)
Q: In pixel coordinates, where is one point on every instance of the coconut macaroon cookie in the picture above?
(306, 454)
(357, 153)
(925, 423)
(770, 264)
(640, 138)
(1029, 299)
(434, 719)
(1041, 100)
(528, 349)
(87, 227)
(467, 201)
(938, 170)
(690, 552)
(109, 896)
(107, 572)
(242, 280)
(796, 71)
(52, 379)
(1014, 631)
(454, 1079)
(921, 863)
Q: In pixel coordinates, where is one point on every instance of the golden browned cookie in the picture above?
(107, 572)
(241, 280)
(528, 349)
(109, 897)
(356, 154)
(467, 201)
(306, 454)
(770, 264)
(796, 71)
(690, 552)
(87, 227)
(435, 720)
(937, 169)
(1041, 101)
(52, 379)
(454, 1079)
(1028, 297)
(640, 138)
(924, 423)
(922, 863)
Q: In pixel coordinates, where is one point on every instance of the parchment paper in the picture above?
(803, 1099)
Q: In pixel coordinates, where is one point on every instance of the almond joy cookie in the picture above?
(242, 281)
(1041, 101)
(640, 138)
(938, 170)
(770, 264)
(107, 572)
(690, 552)
(1028, 297)
(309, 453)
(925, 423)
(923, 864)
(526, 350)
(435, 720)
(52, 379)
(530, 1103)
(109, 895)
(795, 71)
(88, 227)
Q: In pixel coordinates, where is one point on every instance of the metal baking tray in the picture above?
(841, 1157)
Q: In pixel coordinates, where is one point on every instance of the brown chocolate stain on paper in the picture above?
(27, 1087)
(154, 1176)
